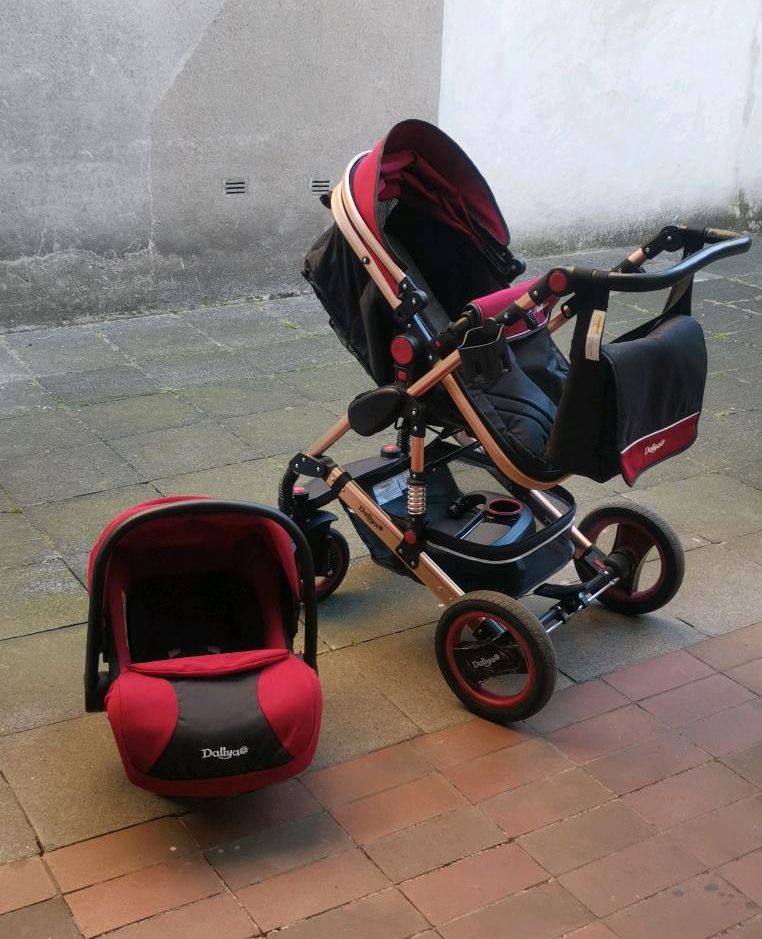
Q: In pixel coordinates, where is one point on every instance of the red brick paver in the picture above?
(23, 883)
(220, 915)
(680, 706)
(659, 674)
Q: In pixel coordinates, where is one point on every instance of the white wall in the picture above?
(590, 117)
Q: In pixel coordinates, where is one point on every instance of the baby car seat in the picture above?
(194, 606)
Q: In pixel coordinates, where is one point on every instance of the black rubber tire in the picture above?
(665, 540)
(339, 548)
(536, 641)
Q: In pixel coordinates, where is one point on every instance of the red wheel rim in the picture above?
(635, 540)
(470, 622)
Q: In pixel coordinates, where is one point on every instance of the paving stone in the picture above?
(385, 915)
(333, 383)
(367, 775)
(248, 396)
(606, 733)
(64, 349)
(295, 354)
(287, 430)
(473, 883)
(732, 729)
(672, 801)
(39, 432)
(747, 546)
(747, 763)
(630, 875)
(736, 648)
(21, 543)
(577, 704)
(719, 593)
(80, 755)
(434, 843)
(23, 883)
(751, 929)
(584, 838)
(49, 920)
(12, 368)
(16, 397)
(74, 525)
(545, 801)
(7, 504)
(144, 337)
(372, 602)
(182, 449)
(102, 384)
(216, 822)
(242, 325)
(271, 852)
(746, 874)
(719, 447)
(694, 910)
(254, 480)
(312, 889)
(392, 810)
(179, 371)
(120, 852)
(140, 894)
(595, 930)
(698, 699)
(507, 769)
(645, 763)
(125, 417)
(715, 506)
(724, 834)
(544, 912)
(219, 915)
(658, 674)
(41, 678)
(40, 597)
(403, 668)
(357, 716)
(465, 742)
(64, 474)
(18, 839)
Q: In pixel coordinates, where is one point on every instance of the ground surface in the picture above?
(633, 800)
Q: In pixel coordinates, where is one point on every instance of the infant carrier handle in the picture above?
(97, 642)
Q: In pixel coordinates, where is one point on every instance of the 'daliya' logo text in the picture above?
(222, 753)
(656, 446)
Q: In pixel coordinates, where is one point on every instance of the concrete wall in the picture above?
(595, 119)
(119, 122)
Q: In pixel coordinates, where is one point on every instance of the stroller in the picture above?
(417, 277)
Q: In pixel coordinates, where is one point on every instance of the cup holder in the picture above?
(503, 510)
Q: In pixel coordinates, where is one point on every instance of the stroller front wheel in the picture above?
(496, 656)
(656, 557)
(337, 554)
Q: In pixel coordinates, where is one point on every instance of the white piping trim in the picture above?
(663, 430)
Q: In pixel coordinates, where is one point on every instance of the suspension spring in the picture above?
(416, 498)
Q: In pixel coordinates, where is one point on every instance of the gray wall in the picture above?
(119, 122)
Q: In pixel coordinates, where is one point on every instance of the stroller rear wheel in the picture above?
(337, 553)
(495, 656)
(650, 544)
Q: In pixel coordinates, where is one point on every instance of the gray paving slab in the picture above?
(285, 431)
(372, 602)
(144, 337)
(34, 432)
(63, 474)
(11, 366)
(714, 506)
(185, 449)
(41, 679)
(18, 839)
(240, 326)
(403, 668)
(21, 543)
(16, 397)
(333, 383)
(179, 371)
(64, 349)
(357, 716)
(294, 354)
(71, 784)
(103, 384)
(721, 591)
(728, 352)
(49, 920)
(729, 440)
(125, 417)
(75, 524)
(247, 396)
(7, 504)
(39, 597)
(255, 480)
(747, 546)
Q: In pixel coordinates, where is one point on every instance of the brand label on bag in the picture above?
(222, 753)
(594, 335)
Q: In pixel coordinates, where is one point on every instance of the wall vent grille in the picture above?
(235, 187)
(320, 185)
